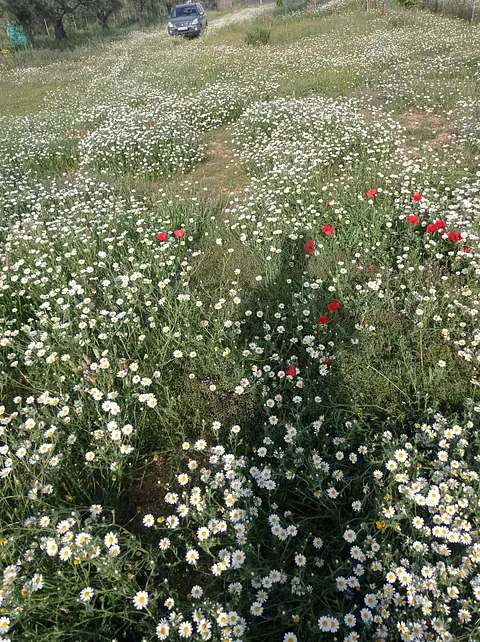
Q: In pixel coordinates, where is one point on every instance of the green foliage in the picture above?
(104, 9)
(145, 8)
(23, 11)
(258, 34)
(408, 3)
(286, 7)
(33, 14)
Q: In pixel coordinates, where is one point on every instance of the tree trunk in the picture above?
(59, 29)
(103, 22)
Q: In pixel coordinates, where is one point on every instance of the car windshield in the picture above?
(182, 12)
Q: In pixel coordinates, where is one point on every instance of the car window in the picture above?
(180, 12)
(200, 9)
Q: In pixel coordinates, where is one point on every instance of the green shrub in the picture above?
(258, 35)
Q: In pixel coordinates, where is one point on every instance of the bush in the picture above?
(257, 35)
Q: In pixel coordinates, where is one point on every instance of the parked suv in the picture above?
(187, 20)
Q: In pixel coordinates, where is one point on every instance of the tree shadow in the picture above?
(291, 291)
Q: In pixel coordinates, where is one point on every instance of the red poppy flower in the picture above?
(413, 219)
(371, 267)
(179, 234)
(323, 320)
(417, 197)
(162, 236)
(328, 362)
(466, 248)
(291, 371)
(327, 230)
(334, 305)
(371, 193)
(329, 202)
(439, 224)
(308, 247)
(64, 136)
(83, 134)
(454, 236)
(431, 228)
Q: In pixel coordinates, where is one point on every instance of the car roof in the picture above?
(189, 4)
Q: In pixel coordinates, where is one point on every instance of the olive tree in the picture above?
(55, 11)
(104, 9)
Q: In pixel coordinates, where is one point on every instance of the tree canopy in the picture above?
(31, 13)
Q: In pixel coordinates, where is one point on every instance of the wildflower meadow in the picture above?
(240, 333)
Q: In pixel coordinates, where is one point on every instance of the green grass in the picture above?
(282, 299)
(21, 101)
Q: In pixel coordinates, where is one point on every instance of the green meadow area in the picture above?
(240, 334)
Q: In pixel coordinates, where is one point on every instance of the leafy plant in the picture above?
(258, 35)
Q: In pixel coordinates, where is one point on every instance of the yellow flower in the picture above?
(4, 52)
(380, 525)
(296, 618)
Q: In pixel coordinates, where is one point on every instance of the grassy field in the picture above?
(239, 333)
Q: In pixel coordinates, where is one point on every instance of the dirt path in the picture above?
(243, 15)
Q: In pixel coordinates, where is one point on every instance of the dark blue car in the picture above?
(187, 20)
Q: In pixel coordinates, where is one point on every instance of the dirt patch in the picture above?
(429, 130)
(220, 172)
(145, 495)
